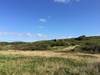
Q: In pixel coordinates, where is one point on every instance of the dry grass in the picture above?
(48, 63)
(62, 54)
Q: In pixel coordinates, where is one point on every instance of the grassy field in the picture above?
(48, 63)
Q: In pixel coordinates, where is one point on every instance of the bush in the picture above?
(41, 46)
(88, 47)
(91, 47)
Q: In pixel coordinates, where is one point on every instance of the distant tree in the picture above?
(54, 40)
(81, 37)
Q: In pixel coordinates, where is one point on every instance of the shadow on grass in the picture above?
(63, 52)
(87, 56)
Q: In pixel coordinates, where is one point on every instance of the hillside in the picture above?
(82, 43)
(74, 56)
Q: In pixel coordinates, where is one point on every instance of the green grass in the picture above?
(22, 65)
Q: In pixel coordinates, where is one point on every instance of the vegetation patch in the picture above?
(21, 65)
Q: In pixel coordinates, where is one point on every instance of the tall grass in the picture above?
(22, 65)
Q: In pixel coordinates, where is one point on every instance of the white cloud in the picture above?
(66, 1)
(24, 34)
(43, 20)
(42, 35)
(31, 35)
(60, 1)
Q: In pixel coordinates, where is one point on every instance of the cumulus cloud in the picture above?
(66, 1)
(24, 34)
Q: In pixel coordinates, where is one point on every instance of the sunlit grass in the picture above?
(35, 65)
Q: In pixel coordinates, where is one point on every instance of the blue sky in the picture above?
(30, 20)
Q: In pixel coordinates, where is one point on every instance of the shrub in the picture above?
(89, 47)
